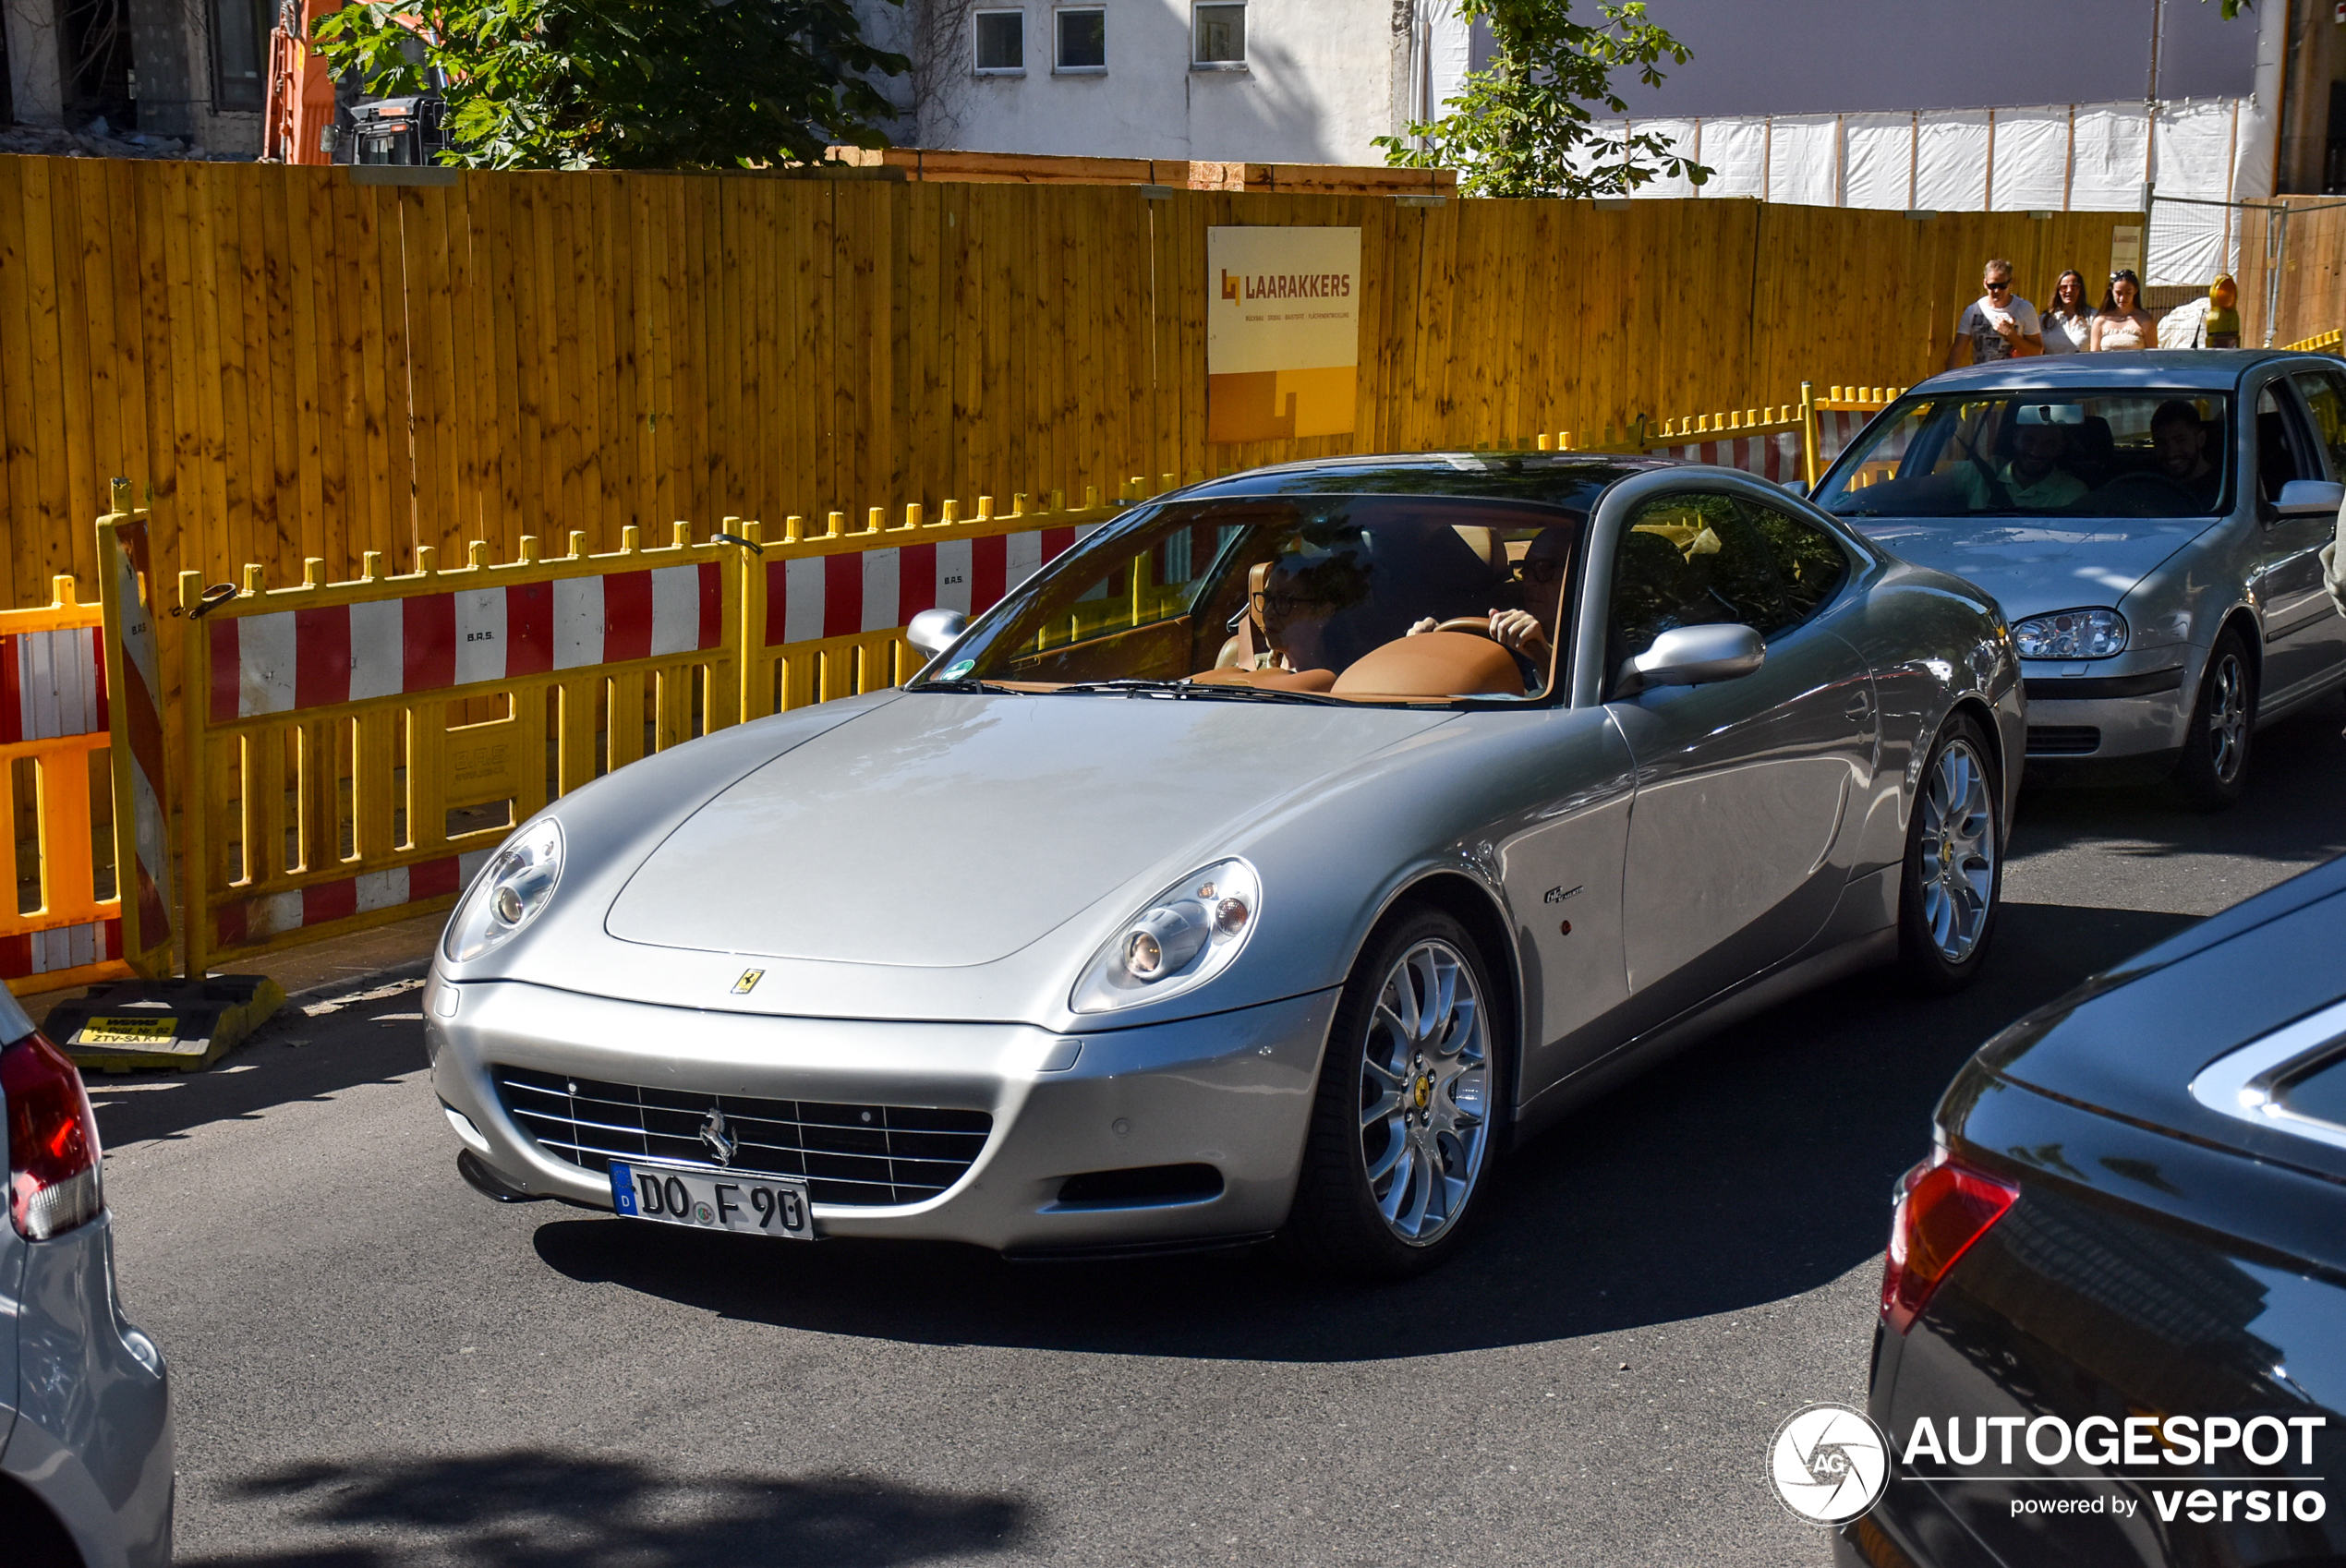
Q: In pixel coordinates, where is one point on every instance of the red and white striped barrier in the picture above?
(1837, 428)
(1773, 454)
(273, 914)
(53, 684)
(137, 730)
(878, 590)
(335, 654)
(60, 948)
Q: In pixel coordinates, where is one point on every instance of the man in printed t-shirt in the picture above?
(1999, 324)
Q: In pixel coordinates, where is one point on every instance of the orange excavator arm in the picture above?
(301, 90)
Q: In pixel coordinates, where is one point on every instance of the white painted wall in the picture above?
(1323, 79)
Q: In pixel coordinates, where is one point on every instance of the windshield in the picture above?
(2139, 454)
(1314, 598)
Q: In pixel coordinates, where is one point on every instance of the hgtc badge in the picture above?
(1828, 1464)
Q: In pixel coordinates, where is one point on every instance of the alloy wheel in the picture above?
(2227, 717)
(1959, 852)
(1424, 1092)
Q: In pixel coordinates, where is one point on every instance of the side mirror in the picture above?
(2309, 497)
(934, 630)
(1690, 655)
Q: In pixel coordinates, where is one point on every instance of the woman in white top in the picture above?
(2069, 320)
(2121, 324)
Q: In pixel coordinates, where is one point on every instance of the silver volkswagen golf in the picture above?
(2152, 524)
(85, 1402)
(1262, 865)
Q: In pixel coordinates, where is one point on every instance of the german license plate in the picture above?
(713, 1199)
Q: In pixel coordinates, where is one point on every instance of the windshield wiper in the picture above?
(969, 686)
(1216, 691)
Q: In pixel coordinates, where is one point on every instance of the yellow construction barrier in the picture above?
(823, 614)
(2320, 342)
(357, 749)
(57, 929)
(1835, 419)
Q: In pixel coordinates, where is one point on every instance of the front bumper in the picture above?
(1232, 1091)
(2100, 718)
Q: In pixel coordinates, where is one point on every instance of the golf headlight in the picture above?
(2071, 634)
(1185, 936)
(509, 891)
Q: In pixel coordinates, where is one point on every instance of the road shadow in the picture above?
(532, 1508)
(292, 1057)
(1753, 1167)
(2290, 814)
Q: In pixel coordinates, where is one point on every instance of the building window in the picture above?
(239, 52)
(1221, 38)
(1001, 42)
(1083, 41)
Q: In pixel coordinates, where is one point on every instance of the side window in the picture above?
(2281, 446)
(2325, 395)
(1695, 559)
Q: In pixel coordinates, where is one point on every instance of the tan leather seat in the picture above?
(1240, 652)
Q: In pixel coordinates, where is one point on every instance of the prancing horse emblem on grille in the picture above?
(720, 1143)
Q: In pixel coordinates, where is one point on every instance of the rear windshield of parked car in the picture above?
(2135, 453)
(1325, 597)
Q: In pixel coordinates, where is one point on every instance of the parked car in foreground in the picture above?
(2123, 1268)
(1259, 864)
(85, 1406)
(2153, 524)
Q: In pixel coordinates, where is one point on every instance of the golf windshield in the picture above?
(1309, 598)
(2138, 454)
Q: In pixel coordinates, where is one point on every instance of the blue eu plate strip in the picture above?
(622, 1189)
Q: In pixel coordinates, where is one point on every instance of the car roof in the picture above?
(1568, 477)
(2198, 369)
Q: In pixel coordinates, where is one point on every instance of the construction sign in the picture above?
(1282, 333)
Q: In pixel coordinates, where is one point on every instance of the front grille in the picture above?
(849, 1154)
(2063, 740)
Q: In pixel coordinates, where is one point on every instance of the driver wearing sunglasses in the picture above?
(1530, 632)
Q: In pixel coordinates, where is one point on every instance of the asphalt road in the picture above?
(375, 1367)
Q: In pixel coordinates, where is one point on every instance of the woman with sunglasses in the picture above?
(2069, 320)
(2121, 324)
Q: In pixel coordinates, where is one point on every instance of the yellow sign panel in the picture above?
(1282, 333)
(140, 1031)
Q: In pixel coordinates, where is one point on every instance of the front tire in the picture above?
(1953, 884)
(2212, 773)
(1403, 1122)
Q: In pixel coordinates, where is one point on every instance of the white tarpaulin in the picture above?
(1680, 135)
(1950, 161)
(1804, 159)
(1738, 150)
(2111, 162)
(1878, 161)
(2032, 159)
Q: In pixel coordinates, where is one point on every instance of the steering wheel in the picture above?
(2143, 477)
(1477, 624)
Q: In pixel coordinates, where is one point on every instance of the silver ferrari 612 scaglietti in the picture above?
(1261, 867)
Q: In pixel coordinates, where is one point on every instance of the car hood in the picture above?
(2032, 566)
(952, 829)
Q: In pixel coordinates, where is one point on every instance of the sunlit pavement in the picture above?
(375, 1367)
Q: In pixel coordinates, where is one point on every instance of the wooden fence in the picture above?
(2311, 255)
(291, 365)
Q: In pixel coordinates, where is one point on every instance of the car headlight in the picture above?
(2071, 634)
(1184, 937)
(509, 891)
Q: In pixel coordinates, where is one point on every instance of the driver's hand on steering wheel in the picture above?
(1518, 631)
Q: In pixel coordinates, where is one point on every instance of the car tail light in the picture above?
(52, 1141)
(1944, 1207)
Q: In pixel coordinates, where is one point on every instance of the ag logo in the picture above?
(1828, 1464)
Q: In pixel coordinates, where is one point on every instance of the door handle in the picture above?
(1859, 707)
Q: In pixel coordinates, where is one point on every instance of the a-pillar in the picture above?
(36, 60)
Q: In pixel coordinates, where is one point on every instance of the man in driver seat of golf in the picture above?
(2033, 480)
